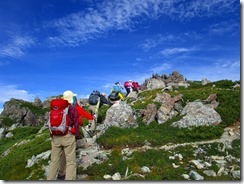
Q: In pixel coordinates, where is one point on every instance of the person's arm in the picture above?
(74, 120)
(84, 113)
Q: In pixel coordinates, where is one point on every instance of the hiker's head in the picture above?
(117, 83)
(68, 95)
(104, 94)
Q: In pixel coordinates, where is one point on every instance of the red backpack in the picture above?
(58, 117)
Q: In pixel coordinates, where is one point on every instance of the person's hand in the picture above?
(89, 125)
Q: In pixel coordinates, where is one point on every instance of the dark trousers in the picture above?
(127, 91)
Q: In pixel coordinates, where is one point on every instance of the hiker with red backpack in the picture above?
(81, 114)
(64, 129)
(128, 87)
(135, 86)
(63, 117)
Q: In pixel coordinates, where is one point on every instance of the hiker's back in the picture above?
(127, 84)
(59, 117)
(93, 98)
(114, 96)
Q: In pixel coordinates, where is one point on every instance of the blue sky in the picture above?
(49, 46)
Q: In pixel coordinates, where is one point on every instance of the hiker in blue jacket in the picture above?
(118, 88)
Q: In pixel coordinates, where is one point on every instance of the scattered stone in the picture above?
(145, 169)
(175, 166)
(195, 176)
(185, 176)
(236, 174)
(210, 173)
(197, 164)
(107, 177)
(116, 176)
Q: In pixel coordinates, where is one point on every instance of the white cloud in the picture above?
(80, 27)
(16, 47)
(160, 39)
(10, 91)
(172, 51)
(227, 66)
(228, 27)
(203, 8)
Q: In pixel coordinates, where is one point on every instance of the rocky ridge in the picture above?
(197, 113)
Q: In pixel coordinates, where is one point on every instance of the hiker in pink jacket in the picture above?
(128, 87)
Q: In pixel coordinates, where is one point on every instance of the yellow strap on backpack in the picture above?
(121, 96)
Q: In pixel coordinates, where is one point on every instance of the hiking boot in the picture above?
(61, 177)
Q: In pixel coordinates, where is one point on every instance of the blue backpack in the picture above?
(93, 98)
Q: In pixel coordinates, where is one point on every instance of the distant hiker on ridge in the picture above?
(128, 86)
(117, 87)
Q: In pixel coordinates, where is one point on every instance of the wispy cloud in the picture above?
(2, 63)
(202, 8)
(16, 47)
(77, 28)
(172, 51)
(221, 69)
(11, 91)
(168, 39)
(227, 65)
(161, 68)
(157, 40)
(80, 27)
(225, 27)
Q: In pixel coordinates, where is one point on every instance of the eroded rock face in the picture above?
(175, 77)
(37, 102)
(170, 106)
(19, 112)
(149, 113)
(155, 84)
(166, 111)
(121, 115)
(197, 114)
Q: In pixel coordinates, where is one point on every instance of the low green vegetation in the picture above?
(35, 109)
(229, 110)
(13, 164)
(160, 164)
(16, 160)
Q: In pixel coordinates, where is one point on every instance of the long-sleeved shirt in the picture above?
(82, 114)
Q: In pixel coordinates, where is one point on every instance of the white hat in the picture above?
(68, 95)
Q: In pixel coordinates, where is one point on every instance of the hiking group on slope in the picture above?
(65, 118)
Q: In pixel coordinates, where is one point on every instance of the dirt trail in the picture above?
(230, 133)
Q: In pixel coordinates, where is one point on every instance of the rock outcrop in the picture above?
(20, 112)
(120, 115)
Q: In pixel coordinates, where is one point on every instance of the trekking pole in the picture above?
(96, 116)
